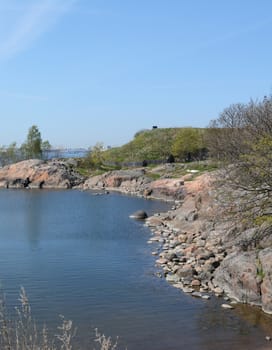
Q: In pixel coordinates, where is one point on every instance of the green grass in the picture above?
(147, 145)
(153, 176)
(83, 171)
(177, 170)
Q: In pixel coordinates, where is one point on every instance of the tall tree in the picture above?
(32, 148)
(242, 139)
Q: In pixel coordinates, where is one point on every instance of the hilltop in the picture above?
(159, 144)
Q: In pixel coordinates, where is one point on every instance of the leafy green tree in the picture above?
(97, 154)
(188, 144)
(95, 158)
(32, 148)
(149, 145)
(45, 146)
(9, 154)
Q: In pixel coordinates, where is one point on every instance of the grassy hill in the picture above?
(156, 144)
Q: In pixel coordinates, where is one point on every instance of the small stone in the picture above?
(154, 239)
(197, 294)
(154, 253)
(186, 282)
(218, 291)
(187, 290)
(203, 290)
(170, 255)
(175, 268)
(268, 338)
(226, 306)
(178, 285)
(172, 278)
(162, 261)
(195, 283)
(206, 297)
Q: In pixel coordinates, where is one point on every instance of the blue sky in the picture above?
(86, 71)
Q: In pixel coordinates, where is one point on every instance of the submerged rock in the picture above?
(140, 215)
(227, 306)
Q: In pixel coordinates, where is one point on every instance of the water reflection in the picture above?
(255, 317)
(33, 213)
(247, 327)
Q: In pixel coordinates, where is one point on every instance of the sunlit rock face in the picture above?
(36, 173)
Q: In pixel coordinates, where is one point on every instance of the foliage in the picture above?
(241, 138)
(188, 144)
(45, 146)
(94, 159)
(9, 154)
(140, 132)
(153, 176)
(154, 145)
(149, 145)
(32, 148)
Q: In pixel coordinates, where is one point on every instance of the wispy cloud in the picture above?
(35, 18)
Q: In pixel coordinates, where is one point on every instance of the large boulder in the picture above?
(122, 180)
(36, 173)
(265, 272)
(238, 277)
(168, 188)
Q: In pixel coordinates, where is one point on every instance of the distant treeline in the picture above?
(8, 155)
(35, 147)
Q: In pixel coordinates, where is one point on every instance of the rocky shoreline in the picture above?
(136, 183)
(199, 252)
(189, 253)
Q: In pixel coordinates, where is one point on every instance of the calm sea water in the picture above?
(81, 256)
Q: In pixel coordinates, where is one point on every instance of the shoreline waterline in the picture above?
(101, 273)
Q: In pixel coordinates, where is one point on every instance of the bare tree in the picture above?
(242, 139)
